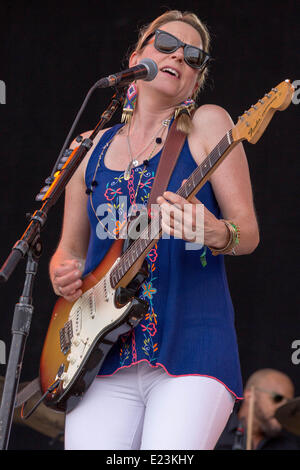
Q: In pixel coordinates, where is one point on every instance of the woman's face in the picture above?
(181, 85)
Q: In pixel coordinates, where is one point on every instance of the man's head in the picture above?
(271, 389)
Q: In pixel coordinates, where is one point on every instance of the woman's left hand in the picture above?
(191, 221)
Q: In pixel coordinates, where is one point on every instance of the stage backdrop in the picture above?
(53, 52)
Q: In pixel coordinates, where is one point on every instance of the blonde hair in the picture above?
(184, 122)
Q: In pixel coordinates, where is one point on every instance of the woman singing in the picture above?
(171, 382)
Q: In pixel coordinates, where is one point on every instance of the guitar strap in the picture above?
(172, 148)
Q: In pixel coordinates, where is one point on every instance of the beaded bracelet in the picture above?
(234, 239)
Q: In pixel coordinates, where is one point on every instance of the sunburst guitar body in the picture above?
(78, 338)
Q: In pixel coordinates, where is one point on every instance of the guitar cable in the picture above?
(50, 389)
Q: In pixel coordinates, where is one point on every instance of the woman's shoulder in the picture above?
(210, 123)
(211, 113)
(76, 143)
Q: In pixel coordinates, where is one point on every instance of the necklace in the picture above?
(89, 191)
(158, 140)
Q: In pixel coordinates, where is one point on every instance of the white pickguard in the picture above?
(90, 314)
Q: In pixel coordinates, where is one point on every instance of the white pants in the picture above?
(142, 407)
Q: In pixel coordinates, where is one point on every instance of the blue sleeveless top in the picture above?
(189, 328)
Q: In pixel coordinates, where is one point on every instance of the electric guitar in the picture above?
(81, 333)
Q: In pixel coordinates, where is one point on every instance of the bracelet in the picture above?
(234, 239)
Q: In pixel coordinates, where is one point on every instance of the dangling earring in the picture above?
(130, 103)
(185, 107)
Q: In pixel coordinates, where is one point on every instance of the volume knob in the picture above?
(71, 359)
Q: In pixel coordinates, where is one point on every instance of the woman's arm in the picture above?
(230, 181)
(67, 263)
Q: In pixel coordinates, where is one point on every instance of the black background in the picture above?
(53, 52)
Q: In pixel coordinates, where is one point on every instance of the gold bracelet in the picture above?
(234, 239)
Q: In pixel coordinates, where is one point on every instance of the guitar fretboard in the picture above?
(142, 245)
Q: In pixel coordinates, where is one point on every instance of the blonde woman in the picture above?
(172, 382)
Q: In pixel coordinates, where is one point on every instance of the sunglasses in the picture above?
(276, 397)
(167, 43)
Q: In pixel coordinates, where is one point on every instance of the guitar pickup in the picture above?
(92, 303)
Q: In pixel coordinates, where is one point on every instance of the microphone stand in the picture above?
(30, 245)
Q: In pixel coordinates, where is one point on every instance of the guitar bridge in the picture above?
(65, 337)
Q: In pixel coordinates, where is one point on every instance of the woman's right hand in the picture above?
(67, 280)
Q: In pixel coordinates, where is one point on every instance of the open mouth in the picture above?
(170, 71)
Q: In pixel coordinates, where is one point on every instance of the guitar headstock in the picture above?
(252, 123)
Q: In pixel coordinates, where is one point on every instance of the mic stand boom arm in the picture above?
(30, 245)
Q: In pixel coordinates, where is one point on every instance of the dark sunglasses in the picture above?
(276, 397)
(167, 43)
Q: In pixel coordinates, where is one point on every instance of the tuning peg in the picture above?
(42, 193)
(49, 180)
(274, 89)
(261, 101)
(267, 95)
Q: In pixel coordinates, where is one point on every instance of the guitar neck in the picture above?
(140, 247)
(202, 173)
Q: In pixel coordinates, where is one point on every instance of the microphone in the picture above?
(145, 70)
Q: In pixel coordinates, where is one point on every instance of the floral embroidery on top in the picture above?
(149, 324)
(110, 193)
(146, 331)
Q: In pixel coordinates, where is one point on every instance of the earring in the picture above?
(185, 107)
(130, 103)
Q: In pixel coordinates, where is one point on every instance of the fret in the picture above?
(189, 186)
(184, 189)
(225, 143)
(228, 137)
(193, 179)
(201, 174)
(205, 165)
(142, 245)
(126, 263)
(131, 256)
(119, 270)
(137, 248)
(113, 278)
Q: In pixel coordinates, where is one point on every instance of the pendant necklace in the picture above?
(134, 162)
